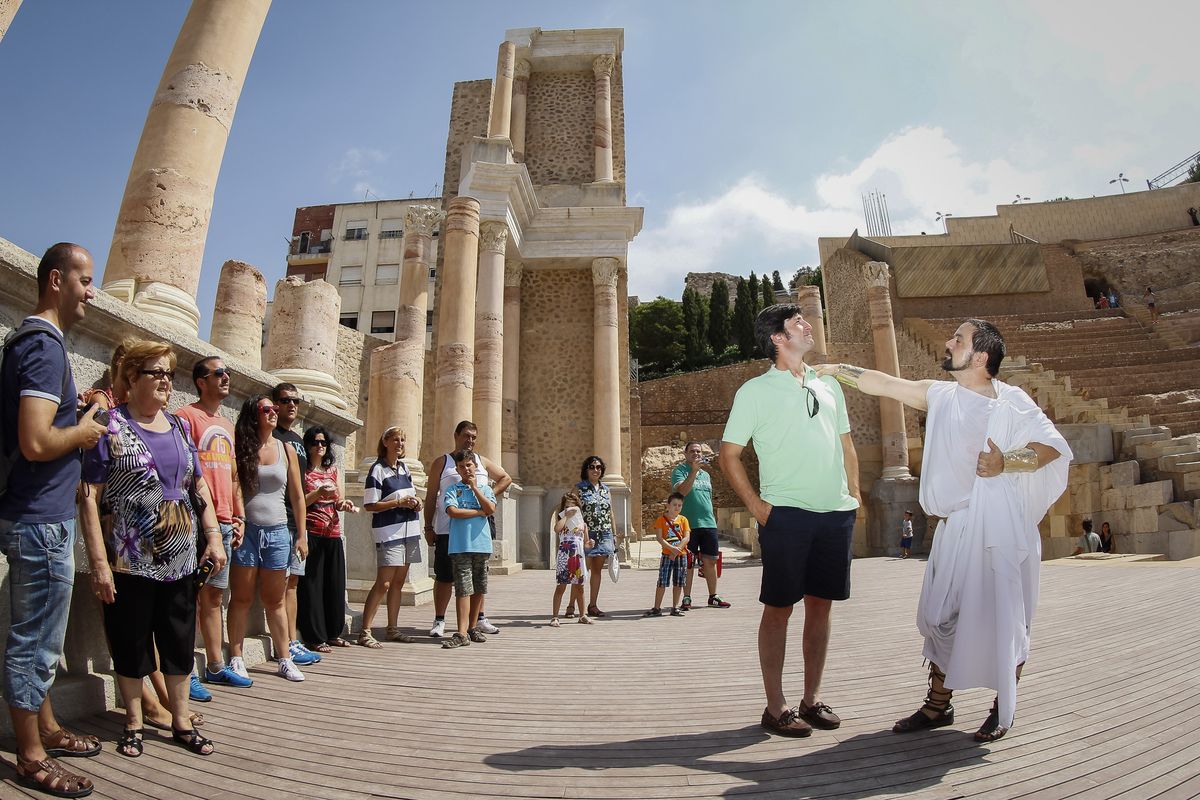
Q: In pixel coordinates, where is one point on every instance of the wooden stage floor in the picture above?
(634, 707)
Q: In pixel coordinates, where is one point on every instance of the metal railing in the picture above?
(1019, 238)
(1174, 173)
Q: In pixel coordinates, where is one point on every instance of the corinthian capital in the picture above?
(604, 271)
(421, 220)
(877, 273)
(522, 70)
(512, 273)
(493, 237)
(602, 66)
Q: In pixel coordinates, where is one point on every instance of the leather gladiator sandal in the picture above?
(991, 729)
(936, 701)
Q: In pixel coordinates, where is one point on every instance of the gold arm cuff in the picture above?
(1022, 459)
(849, 375)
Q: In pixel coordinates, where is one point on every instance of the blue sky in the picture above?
(751, 127)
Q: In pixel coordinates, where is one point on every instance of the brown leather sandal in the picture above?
(936, 701)
(991, 729)
(52, 777)
(64, 743)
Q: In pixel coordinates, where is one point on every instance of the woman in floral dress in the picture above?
(596, 503)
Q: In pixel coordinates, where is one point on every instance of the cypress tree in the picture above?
(718, 318)
(768, 293)
(755, 295)
(776, 281)
(743, 319)
(694, 323)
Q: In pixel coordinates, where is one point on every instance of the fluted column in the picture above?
(238, 312)
(606, 365)
(509, 457)
(397, 381)
(8, 10)
(158, 243)
(487, 395)
(302, 340)
(809, 300)
(455, 377)
(602, 67)
(887, 359)
(502, 91)
(520, 95)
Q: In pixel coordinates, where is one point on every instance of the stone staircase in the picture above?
(1123, 397)
(739, 526)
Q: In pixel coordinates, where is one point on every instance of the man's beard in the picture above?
(948, 364)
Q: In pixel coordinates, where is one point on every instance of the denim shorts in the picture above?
(41, 575)
(265, 548)
(605, 544)
(220, 580)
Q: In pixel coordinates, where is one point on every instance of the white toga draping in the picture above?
(981, 582)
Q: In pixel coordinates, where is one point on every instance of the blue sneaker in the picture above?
(227, 677)
(196, 691)
(301, 655)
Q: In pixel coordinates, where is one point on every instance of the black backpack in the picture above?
(9, 452)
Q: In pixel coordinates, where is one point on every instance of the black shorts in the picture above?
(148, 615)
(443, 568)
(805, 553)
(704, 541)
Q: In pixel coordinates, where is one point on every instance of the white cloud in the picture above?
(753, 226)
(356, 162)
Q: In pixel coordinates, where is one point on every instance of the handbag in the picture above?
(614, 567)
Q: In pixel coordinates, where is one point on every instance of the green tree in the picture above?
(718, 318)
(768, 293)
(776, 281)
(755, 295)
(695, 323)
(1193, 175)
(657, 337)
(743, 319)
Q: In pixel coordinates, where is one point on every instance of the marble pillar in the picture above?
(239, 311)
(887, 359)
(520, 95)
(454, 366)
(158, 243)
(509, 456)
(397, 384)
(602, 67)
(302, 339)
(606, 366)
(809, 300)
(487, 406)
(502, 91)
(8, 10)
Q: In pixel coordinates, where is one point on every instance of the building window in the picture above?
(387, 274)
(391, 229)
(356, 229)
(432, 273)
(383, 322)
(429, 321)
(351, 276)
(349, 321)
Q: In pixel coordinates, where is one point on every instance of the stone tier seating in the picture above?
(1126, 398)
(739, 526)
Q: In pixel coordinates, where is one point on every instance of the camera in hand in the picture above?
(204, 572)
(101, 414)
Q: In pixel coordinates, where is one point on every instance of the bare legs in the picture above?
(389, 583)
(772, 648)
(595, 566)
(272, 585)
(710, 576)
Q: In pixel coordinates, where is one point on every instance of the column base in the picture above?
(895, 472)
(318, 385)
(168, 305)
(418, 591)
(889, 499)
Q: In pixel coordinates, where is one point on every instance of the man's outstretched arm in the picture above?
(878, 384)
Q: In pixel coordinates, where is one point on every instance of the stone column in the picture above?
(454, 370)
(509, 457)
(887, 359)
(238, 313)
(487, 406)
(8, 10)
(809, 299)
(158, 244)
(602, 67)
(397, 385)
(519, 96)
(606, 366)
(502, 91)
(302, 340)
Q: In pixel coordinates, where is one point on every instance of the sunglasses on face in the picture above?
(219, 372)
(292, 401)
(268, 410)
(319, 443)
(159, 374)
(595, 466)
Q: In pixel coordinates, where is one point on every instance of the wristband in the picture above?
(848, 374)
(1021, 459)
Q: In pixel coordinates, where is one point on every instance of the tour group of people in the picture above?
(176, 507)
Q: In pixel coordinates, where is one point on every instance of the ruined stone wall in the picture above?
(556, 390)
(470, 107)
(1170, 262)
(559, 123)
(353, 374)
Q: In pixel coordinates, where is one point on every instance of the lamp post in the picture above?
(1120, 180)
(1019, 199)
(942, 219)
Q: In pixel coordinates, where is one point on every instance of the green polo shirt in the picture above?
(799, 458)
(697, 504)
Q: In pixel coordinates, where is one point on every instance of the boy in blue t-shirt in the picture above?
(468, 505)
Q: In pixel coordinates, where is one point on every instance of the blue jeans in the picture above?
(41, 574)
(265, 548)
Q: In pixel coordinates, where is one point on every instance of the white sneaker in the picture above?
(438, 629)
(487, 627)
(238, 667)
(289, 670)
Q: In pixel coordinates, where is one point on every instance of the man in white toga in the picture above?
(993, 465)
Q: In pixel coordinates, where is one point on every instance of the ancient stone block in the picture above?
(1090, 443)
(1150, 494)
(1183, 544)
(1123, 473)
(1113, 499)
(1143, 520)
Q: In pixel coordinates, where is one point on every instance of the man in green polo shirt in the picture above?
(691, 479)
(805, 506)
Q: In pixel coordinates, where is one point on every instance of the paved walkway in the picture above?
(649, 708)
